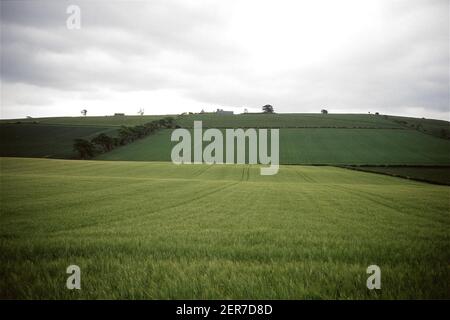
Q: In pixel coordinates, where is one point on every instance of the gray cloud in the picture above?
(217, 54)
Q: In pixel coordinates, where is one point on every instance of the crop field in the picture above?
(320, 146)
(286, 120)
(87, 121)
(305, 138)
(230, 121)
(44, 141)
(438, 174)
(283, 120)
(157, 231)
(438, 128)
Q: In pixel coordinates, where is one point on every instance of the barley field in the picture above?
(141, 230)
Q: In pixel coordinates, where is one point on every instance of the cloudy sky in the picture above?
(349, 56)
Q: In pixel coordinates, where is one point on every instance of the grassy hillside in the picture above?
(439, 175)
(88, 121)
(255, 120)
(159, 231)
(437, 128)
(46, 141)
(320, 146)
(285, 120)
(362, 146)
(305, 138)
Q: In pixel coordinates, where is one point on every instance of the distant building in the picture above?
(223, 112)
(119, 114)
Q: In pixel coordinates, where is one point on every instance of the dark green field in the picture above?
(44, 141)
(230, 121)
(304, 138)
(98, 121)
(439, 174)
(320, 146)
(437, 128)
(286, 120)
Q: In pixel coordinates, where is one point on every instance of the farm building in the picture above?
(223, 112)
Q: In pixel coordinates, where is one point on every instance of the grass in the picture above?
(437, 128)
(87, 121)
(158, 231)
(344, 139)
(45, 141)
(284, 120)
(439, 174)
(320, 146)
(288, 120)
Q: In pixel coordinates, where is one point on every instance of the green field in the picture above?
(254, 120)
(157, 231)
(320, 146)
(44, 141)
(343, 139)
(87, 121)
(438, 174)
(437, 128)
(284, 120)
(144, 229)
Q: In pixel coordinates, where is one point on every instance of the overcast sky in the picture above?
(348, 56)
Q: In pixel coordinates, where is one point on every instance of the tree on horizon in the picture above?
(267, 109)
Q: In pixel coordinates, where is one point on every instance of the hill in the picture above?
(87, 121)
(437, 128)
(305, 138)
(160, 231)
(432, 174)
(288, 120)
(44, 140)
(320, 146)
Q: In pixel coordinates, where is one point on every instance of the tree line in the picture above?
(102, 143)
